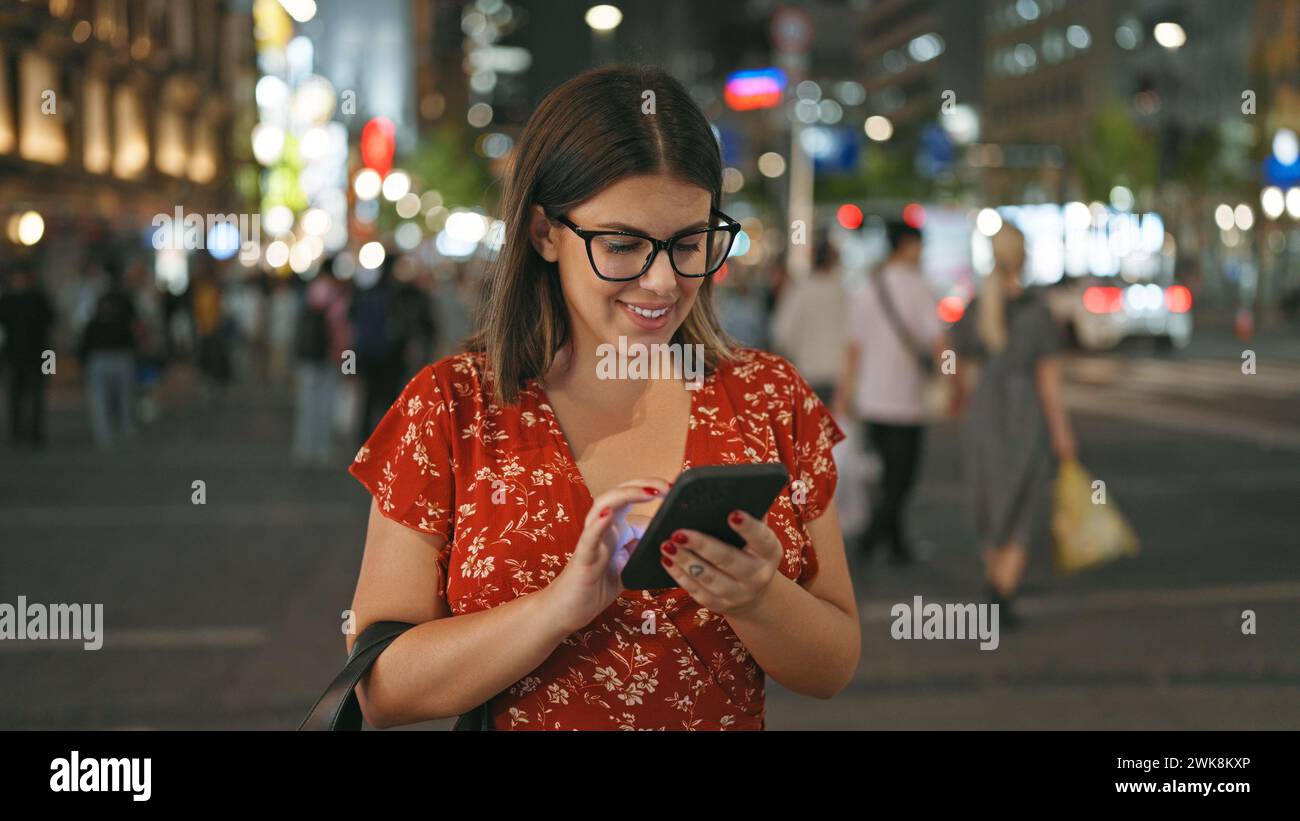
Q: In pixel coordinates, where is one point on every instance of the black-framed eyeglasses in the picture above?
(620, 256)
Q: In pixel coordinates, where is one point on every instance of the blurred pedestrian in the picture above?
(77, 297)
(415, 318)
(26, 317)
(1007, 345)
(282, 315)
(381, 319)
(319, 343)
(893, 331)
(808, 324)
(743, 308)
(245, 310)
(454, 304)
(107, 350)
(151, 353)
(210, 331)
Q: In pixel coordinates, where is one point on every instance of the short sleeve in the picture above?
(1045, 332)
(407, 463)
(813, 434)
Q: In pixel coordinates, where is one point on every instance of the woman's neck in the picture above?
(586, 370)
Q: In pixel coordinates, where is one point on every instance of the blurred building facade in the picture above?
(911, 51)
(114, 111)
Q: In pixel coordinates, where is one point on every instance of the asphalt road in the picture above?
(226, 615)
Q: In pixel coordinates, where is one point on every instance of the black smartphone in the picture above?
(701, 499)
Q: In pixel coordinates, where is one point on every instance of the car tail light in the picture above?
(1103, 299)
(1178, 299)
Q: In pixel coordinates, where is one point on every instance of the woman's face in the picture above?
(648, 309)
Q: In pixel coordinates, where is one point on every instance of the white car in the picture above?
(1098, 313)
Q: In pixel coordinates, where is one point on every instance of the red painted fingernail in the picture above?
(680, 537)
(604, 513)
(736, 518)
(666, 561)
(653, 491)
(668, 547)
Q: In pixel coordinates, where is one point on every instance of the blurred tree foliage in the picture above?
(1116, 152)
(1194, 161)
(887, 170)
(445, 161)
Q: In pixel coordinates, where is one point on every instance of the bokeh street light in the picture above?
(988, 221)
(367, 184)
(1293, 203)
(878, 128)
(1272, 202)
(1169, 35)
(396, 185)
(603, 17)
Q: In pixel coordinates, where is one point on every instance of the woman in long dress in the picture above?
(1015, 427)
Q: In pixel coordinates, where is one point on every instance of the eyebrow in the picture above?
(622, 226)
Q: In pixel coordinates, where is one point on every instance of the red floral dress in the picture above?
(501, 486)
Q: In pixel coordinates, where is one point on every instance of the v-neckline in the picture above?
(544, 401)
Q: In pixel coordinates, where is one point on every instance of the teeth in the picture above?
(648, 314)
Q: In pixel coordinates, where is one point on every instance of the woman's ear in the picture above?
(541, 233)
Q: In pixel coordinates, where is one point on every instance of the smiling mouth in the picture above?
(648, 313)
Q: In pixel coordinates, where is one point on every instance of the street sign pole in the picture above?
(799, 259)
(792, 33)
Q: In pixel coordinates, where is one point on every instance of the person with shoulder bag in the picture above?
(892, 331)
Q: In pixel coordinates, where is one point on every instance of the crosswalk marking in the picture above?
(878, 612)
(1189, 378)
(151, 638)
(228, 514)
(1109, 402)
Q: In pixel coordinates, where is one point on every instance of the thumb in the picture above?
(623, 555)
(593, 539)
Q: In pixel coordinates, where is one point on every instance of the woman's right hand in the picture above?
(1064, 446)
(591, 580)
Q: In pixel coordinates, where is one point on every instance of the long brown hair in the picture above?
(587, 134)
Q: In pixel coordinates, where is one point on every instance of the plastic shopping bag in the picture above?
(1087, 528)
(858, 467)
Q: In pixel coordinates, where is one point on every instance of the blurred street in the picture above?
(226, 615)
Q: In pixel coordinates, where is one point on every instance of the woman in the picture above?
(1015, 421)
(498, 473)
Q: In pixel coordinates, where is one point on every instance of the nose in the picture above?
(661, 279)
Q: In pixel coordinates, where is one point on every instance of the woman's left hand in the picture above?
(720, 577)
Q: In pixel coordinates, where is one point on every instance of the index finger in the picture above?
(625, 494)
(760, 541)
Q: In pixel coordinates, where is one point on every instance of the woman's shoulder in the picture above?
(466, 366)
(764, 370)
(764, 385)
(458, 379)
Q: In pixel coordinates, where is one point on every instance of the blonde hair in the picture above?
(1008, 260)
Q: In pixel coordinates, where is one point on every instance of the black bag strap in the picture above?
(338, 708)
(896, 322)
